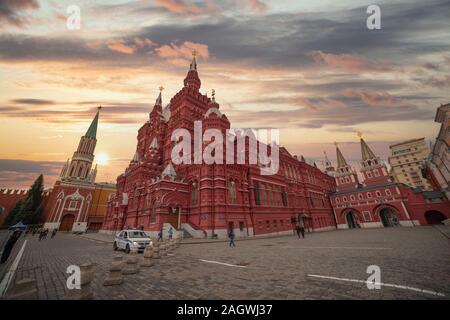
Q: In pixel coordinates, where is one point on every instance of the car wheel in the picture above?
(115, 246)
(127, 249)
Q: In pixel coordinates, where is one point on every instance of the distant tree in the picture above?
(30, 210)
(10, 218)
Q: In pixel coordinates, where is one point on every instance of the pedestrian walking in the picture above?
(160, 235)
(10, 245)
(302, 228)
(231, 236)
(297, 229)
(54, 233)
(170, 233)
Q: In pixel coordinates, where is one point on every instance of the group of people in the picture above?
(160, 234)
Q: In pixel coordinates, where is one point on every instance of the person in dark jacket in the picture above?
(231, 236)
(54, 233)
(10, 245)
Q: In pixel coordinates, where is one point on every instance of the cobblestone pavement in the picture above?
(275, 268)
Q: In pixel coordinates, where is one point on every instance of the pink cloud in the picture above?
(257, 6)
(129, 47)
(373, 98)
(178, 54)
(347, 62)
(181, 7)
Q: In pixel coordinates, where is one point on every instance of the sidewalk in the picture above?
(108, 238)
(445, 230)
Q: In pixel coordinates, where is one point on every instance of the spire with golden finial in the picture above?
(194, 62)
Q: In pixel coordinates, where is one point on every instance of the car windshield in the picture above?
(137, 234)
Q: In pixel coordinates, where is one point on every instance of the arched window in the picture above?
(79, 171)
(263, 195)
(388, 192)
(232, 191)
(257, 194)
(284, 198)
(360, 196)
(369, 195)
(378, 193)
(194, 193)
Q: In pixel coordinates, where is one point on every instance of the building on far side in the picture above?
(407, 161)
(438, 164)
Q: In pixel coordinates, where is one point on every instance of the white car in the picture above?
(132, 241)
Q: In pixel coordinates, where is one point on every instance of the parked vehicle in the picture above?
(132, 240)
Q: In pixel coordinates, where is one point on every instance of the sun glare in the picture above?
(102, 159)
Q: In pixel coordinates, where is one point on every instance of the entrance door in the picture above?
(388, 218)
(351, 221)
(173, 217)
(67, 222)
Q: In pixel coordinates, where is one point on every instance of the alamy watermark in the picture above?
(74, 280)
(373, 21)
(213, 147)
(374, 280)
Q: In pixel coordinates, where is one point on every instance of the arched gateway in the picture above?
(434, 217)
(388, 218)
(67, 222)
(351, 219)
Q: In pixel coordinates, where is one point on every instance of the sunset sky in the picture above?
(310, 68)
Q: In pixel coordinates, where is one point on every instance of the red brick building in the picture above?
(209, 199)
(379, 201)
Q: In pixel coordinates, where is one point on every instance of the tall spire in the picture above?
(193, 66)
(365, 150)
(192, 80)
(159, 99)
(340, 158)
(92, 131)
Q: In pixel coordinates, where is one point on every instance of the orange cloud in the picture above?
(257, 6)
(179, 54)
(347, 62)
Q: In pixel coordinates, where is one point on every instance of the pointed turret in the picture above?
(79, 166)
(345, 176)
(169, 171)
(329, 169)
(136, 157)
(366, 152)
(341, 162)
(192, 80)
(92, 131)
(373, 169)
(154, 144)
(159, 99)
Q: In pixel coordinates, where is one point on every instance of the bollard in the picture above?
(86, 276)
(24, 289)
(163, 250)
(156, 252)
(115, 272)
(148, 253)
(131, 266)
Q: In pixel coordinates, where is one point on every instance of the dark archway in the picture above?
(434, 217)
(352, 222)
(67, 222)
(388, 218)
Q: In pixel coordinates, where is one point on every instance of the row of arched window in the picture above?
(270, 195)
(369, 195)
